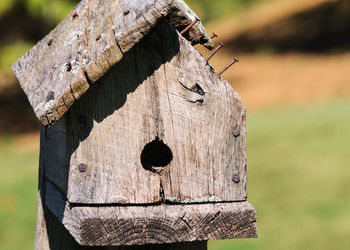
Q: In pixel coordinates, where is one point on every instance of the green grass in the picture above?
(298, 181)
(18, 187)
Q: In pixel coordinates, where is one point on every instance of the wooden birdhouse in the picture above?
(141, 142)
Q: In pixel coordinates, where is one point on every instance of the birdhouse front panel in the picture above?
(160, 126)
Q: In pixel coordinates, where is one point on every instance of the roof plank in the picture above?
(58, 70)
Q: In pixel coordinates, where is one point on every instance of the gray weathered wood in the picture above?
(157, 90)
(82, 48)
(139, 225)
(52, 235)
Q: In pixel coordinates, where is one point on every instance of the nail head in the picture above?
(215, 51)
(236, 178)
(69, 66)
(50, 96)
(236, 132)
(49, 42)
(235, 60)
(75, 15)
(213, 35)
(82, 168)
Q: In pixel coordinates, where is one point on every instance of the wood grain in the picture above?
(52, 235)
(57, 71)
(139, 225)
(177, 99)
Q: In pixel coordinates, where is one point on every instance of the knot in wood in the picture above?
(75, 15)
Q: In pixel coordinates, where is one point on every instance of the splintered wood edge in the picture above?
(35, 70)
(153, 224)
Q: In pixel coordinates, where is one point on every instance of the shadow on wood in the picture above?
(105, 97)
(111, 91)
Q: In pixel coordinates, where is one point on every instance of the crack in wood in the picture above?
(185, 221)
(161, 192)
(214, 217)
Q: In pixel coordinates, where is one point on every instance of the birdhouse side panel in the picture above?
(56, 151)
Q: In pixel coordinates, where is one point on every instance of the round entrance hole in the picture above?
(156, 155)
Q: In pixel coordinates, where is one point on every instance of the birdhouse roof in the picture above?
(59, 69)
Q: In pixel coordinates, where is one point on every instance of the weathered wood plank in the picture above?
(101, 51)
(138, 225)
(51, 233)
(56, 71)
(135, 19)
(156, 91)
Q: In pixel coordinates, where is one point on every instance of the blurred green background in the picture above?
(294, 76)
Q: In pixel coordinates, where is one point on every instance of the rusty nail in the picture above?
(213, 35)
(49, 42)
(236, 132)
(228, 66)
(190, 26)
(98, 37)
(75, 15)
(126, 12)
(82, 168)
(236, 178)
(50, 96)
(215, 51)
(69, 66)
